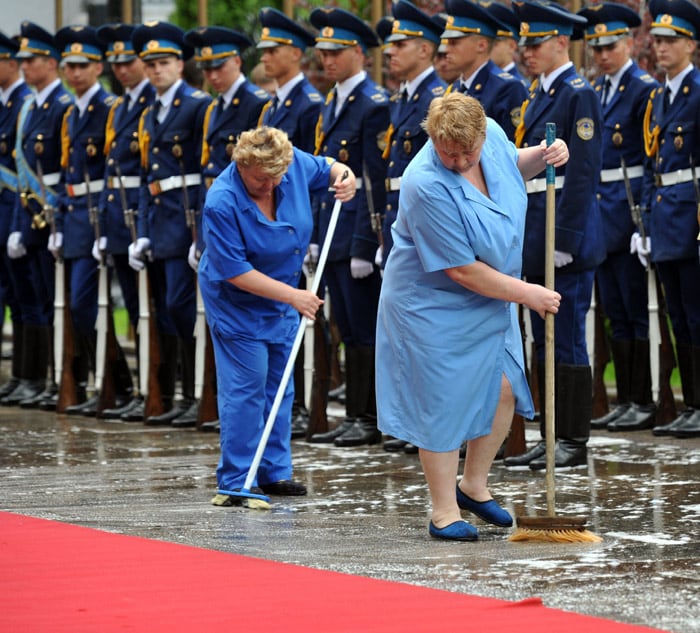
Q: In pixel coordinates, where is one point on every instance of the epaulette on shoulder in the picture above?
(199, 94)
(314, 96)
(65, 98)
(379, 96)
(260, 93)
(438, 91)
(395, 97)
(647, 78)
(578, 83)
(109, 100)
(504, 74)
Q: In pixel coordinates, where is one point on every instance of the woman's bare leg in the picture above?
(440, 471)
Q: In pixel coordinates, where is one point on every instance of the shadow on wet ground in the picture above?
(367, 513)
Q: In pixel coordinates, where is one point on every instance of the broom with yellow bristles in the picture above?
(551, 528)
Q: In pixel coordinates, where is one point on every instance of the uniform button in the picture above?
(110, 198)
(391, 163)
(598, 196)
(296, 251)
(296, 274)
(661, 159)
(71, 170)
(155, 167)
(290, 231)
(70, 207)
(323, 205)
(155, 150)
(156, 201)
(658, 198)
(388, 207)
(110, 162)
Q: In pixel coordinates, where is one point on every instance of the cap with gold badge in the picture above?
(608, 22)
(410, 22)
(340, 29)
(117, 38)
(279, 30)
(156, 40)
(213, 45)
(79, 44)
(36, 42)
(541, 21)
(675, 18)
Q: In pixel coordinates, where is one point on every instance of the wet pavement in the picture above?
(367, 513)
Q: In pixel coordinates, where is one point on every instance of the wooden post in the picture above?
(127, 11)
(376, 14)
(58, 17)
(202, 18)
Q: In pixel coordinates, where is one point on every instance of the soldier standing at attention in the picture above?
(294, 109)
(562, 96)
(470, 32)
(170, 137)
(672, 140)
(14, 265)
(505, 46)
(623, 89)
(38, 142)
(83, 163)
(124, 157)
(351, 128)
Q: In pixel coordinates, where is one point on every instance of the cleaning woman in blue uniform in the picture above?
(257, 225)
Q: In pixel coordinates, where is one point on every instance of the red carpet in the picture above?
(63, 578)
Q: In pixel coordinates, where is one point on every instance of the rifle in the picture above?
(204, 363)
(148, 351)
(106, 342)
(64, 348)
(601, 357)
(374, 217)
(662, 359)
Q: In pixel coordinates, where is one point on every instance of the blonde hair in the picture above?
(456, 118)
(264, 147)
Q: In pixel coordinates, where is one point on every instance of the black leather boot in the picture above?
(190, 406)
(535, 452)
(7, 388)
(330, 436)
(362, 432)
(690, 427)
(685, 369)
(574, 404)
(621, 351)
(47, 399)
(167, 371)
(117, 412)
(642, 412)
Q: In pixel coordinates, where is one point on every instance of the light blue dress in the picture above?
(442, 349)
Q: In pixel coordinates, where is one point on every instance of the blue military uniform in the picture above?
(223, 122)
(621, 280)
(405, 136)
(296, 106)
(38, 142)
(499, 92)
(672, 141)
(14, 268)
(353, 134)
(509, 29)
(123, 157)
(568, 100)
(171, 146)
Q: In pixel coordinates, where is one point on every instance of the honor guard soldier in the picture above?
(14, 265)
(505, 46)
(442, 65)
(123, 176)
(412, 44)
(623, 89)
(351, 128)
(296, 104)
(672, 140)
(170, 136)
(562, 96)
(294, 109)
(38, 161)
(83, 163)
(470, 32)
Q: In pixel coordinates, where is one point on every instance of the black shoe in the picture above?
(689, 428)
(337, 394)
(567, 454)
(360, 433)
(300, 424)
(136, 413)
(410, 449)
(167, 417)
(668, 429)
(637, 418)
(87, 408)
(394, 445)
(115, 413)
(518, 461)
(284, 488)
(603, 421)
(463, 450)
(24, 390)
(9, 387)
(189, 418)
(213, 426)
(46, 400)
(330, 436)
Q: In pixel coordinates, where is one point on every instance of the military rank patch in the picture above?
(438, 91)
(585, 129)
(515, 116)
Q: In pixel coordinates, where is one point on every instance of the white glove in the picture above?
(137, 253)
(360, 268)
(15, 248)
(562, 259)
(192, 258)
(379, 256)
(98, 248)
(310, 259)
(55, 243)
(641, 246)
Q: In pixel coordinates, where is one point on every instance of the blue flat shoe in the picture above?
(488, 511)
(457, 531)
